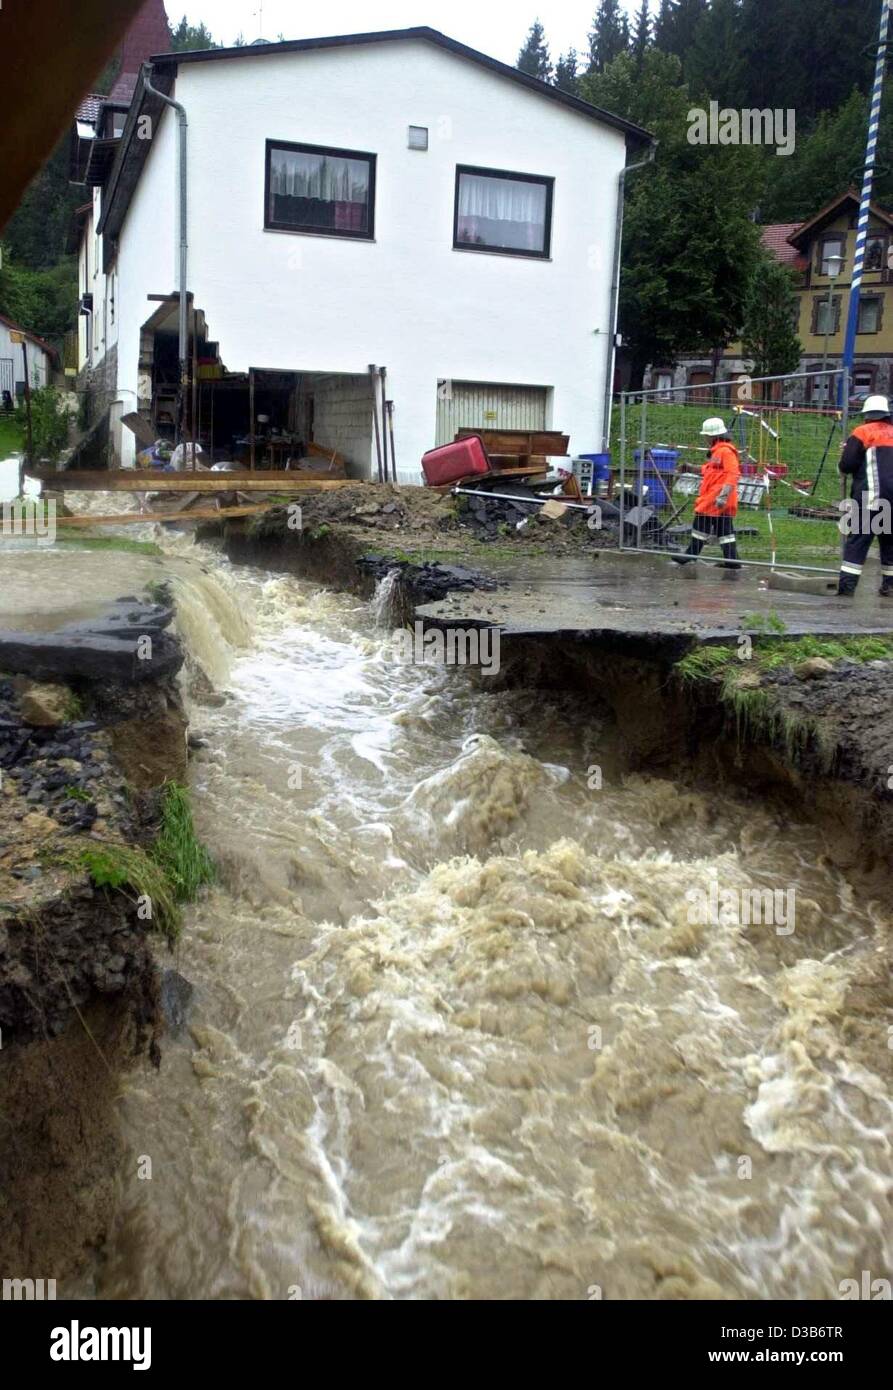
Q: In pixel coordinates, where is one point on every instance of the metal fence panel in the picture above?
(789, 445)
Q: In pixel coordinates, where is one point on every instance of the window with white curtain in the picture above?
(323, 191)
(502, 212)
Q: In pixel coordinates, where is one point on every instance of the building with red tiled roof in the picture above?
(819, 253)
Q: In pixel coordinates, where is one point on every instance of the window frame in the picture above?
(302, 148)
(884, 239)
(820, 301)
(546, 179)
(864, 300)
(823, 254)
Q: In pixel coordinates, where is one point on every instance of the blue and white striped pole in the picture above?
(874, 121)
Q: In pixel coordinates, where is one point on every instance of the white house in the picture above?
(392, 198)
(41, 360)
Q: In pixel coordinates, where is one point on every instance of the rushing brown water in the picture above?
(455, 1034)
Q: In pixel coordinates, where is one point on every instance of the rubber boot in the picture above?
(847, 586)
(886, 589)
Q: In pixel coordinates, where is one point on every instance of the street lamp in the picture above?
(834, 262)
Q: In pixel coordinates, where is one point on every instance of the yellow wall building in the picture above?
(820, 252)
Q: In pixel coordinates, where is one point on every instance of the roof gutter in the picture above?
(184, 242)
(615, 292)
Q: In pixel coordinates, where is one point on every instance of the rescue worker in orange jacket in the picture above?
(868, 459)
(717, 502)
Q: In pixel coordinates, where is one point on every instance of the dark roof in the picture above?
(802, 236)
(147, 30)
(32, 337)
(428, 35)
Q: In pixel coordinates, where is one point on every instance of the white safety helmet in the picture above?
(876, 405)
(714, 426)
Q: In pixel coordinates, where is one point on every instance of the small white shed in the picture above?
(41, 359)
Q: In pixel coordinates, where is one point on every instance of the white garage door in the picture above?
(481, 405)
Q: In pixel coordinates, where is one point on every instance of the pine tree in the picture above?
(566, 72)
(188, 36)
(642, 32)
(663, 25)
(769, 337)
(676, 23)
(609, 36)
(534, 56)
(714, 63)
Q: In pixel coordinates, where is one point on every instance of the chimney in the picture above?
(148, 34)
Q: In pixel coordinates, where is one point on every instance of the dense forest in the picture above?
(691, 254)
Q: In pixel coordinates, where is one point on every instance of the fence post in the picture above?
(640, 482)
(623, 400)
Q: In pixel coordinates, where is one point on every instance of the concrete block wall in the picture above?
(342, 420)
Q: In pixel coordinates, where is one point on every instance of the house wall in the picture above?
(407, 300)
(147, 264)
(875, 283)
(12, 352)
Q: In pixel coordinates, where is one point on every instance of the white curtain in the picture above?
(501, 200)
(329, 177)
(505, 213)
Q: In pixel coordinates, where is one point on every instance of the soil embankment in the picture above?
(83, 760)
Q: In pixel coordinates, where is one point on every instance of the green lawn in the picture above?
(11, 441)
(806, 444)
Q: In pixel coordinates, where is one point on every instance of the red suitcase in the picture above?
(464, 458)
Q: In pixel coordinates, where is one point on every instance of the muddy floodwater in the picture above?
(458, 1031)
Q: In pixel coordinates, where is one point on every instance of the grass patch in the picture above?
(77, 794)
(703, 663)
(123, 867)
(129, 547)
(759, 710)
(12, 438)
(763, 622)
(792, 652)
(73, 708)
(169, 873)
(177, 850)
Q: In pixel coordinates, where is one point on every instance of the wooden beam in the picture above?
(155, 480)
(142, 518)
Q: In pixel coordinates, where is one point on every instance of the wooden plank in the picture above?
(319, 451)
(141, 428)
(142, 518)
(156, 480)
(549, 442)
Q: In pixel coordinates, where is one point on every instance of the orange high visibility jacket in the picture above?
(722, 469)
(868, 459)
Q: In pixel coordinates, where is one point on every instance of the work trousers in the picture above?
(855, 553)
(719, 529)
